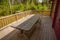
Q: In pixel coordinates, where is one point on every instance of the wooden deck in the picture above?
(44, 31)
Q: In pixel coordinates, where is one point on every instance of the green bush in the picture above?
(4, 10)
(45, 8)
(22, 7)
(15, 8)
(27, 6)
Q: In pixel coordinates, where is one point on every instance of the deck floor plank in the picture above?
(44, 31)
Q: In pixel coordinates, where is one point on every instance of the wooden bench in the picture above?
(26, 25)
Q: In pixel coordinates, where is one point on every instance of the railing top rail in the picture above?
(12, 15)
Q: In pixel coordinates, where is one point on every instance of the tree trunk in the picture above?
(9, 2)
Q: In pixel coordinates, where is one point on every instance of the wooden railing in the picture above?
(11, 18)
(14, 17)
(44, 13)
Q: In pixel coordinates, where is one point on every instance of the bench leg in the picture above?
(23, 36)
(26, 37)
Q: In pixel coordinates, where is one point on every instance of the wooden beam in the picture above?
(54, 2)
(56, 13)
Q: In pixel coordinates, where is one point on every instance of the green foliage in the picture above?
(19, 7)
(28, 7)
(33, 6)
(5, 10)
(22, 7)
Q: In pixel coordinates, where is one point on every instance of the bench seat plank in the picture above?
(28, 23)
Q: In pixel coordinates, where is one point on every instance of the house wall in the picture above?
(57, 25)
(56, 22)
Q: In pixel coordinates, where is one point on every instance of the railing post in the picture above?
(16, 17)
(1, 23)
